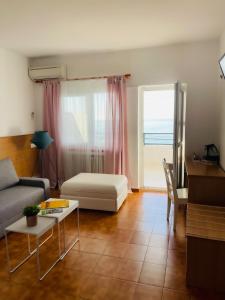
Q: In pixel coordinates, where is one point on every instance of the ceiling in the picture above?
(51, 27)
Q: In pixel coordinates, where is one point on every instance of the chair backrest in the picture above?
(170, 182)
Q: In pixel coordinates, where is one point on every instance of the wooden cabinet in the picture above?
(206, 184)
(206, 246)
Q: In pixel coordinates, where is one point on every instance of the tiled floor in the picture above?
(131, 255)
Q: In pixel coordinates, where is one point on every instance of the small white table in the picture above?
(44, 224)
(60, 218)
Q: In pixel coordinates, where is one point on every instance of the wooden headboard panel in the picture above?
(18, 149)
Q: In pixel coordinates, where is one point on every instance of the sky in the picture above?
(158, 104)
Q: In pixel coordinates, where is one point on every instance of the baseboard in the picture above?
(154, 190)
(135, 190)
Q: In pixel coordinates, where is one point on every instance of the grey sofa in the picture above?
(17, 193)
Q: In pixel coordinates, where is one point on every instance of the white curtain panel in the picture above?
(82, 128)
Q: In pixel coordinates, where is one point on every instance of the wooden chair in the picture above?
(177, 196)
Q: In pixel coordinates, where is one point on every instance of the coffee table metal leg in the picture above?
(76, 236)
(59, 239)
(78, 228)
(78, 223)
(38, 258)
(28, 243)
(42, 276)
(11, 270)
(7, 251)
(64, 236)
(42, 243)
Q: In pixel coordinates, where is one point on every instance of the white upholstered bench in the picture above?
(96, 191)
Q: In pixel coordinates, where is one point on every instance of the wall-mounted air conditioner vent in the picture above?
(42, 73)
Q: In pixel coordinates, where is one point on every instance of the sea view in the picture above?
(158, 132)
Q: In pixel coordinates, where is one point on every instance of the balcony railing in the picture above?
(162, 138)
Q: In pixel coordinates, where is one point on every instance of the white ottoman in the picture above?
(96, 191)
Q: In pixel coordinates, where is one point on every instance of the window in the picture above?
(84, 114)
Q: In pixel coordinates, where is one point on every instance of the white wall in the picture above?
(195, 64)
(222, 106)
(16, 95)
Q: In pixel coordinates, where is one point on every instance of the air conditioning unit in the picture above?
(42, 73)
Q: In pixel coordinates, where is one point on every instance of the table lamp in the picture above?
(42, 139)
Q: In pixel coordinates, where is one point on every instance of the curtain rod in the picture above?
(127, 76)
(99, 77)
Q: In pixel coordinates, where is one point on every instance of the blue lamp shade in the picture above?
(42, 139)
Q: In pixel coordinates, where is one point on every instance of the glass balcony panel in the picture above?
(153, 170)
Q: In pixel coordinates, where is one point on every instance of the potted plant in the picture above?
(31, 214)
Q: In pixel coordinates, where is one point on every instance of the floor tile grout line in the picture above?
(144, 259)
(122, 279)
(129, 281)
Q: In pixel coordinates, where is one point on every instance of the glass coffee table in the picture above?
(45, 223)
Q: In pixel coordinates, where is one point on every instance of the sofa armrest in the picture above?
(36, 182)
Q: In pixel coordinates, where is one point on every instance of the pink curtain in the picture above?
(52, 156)
(116, 152)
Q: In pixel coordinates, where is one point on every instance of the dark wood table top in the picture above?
(206, 221)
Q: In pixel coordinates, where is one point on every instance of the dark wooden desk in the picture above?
(206, 246)
(206, 184)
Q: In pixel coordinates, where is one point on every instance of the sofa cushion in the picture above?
(13, 200)
(8, 176)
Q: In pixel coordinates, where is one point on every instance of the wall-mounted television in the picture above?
(222, 65)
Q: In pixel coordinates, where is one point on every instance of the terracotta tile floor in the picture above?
(133, 254)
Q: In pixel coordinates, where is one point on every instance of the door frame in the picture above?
(180, 98)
